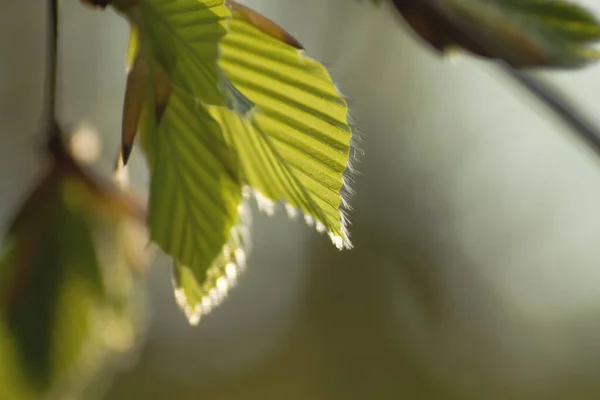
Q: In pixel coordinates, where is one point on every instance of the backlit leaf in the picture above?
(524, 33)
(279, 127)
(295, 145)
(195, 198)
(181, 37)
(195, 206)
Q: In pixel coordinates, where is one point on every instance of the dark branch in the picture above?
(52, 128)
(561, 108)
(551, 98)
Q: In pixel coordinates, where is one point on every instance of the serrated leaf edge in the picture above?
(235, 252)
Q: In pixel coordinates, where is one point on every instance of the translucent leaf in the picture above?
(195, 190)
(179, 38)
(183, 38)
(195, 197)
(524, 33)
(281, 130)
(198, 298)
(295, 144)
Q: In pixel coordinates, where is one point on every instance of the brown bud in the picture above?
(97, 3)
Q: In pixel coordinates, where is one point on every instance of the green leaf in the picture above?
(58, 293)
(195, 198)
(295, 145)
(280, 127)
(524, 33)
(196, 190)
(180, 38)
(183, 38)
(199, 297)
(51, 246)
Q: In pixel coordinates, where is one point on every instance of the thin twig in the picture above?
(559, 105)
(52, 127)
(549, 97)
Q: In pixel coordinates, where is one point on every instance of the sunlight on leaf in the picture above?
(199, 298)
(195, 210)
(195, 196)
(181, 38)
(295, 147)
(279, 129)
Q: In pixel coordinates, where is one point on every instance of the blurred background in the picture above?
(476, 225)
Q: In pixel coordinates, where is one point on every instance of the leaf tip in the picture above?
(264, 204)
(198, 299)
(291, 212)
(126, 149)
(264, 24)
(340, 243)
(181, 300)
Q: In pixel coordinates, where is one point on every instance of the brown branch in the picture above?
(51, 124)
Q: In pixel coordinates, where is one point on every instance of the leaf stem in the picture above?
(559, 105)
(52, 128)
(552, 99)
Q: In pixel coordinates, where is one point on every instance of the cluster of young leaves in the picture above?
(226, 104)
(522, 33)
(66, 291)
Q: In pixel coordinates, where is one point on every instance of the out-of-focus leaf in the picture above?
(524, 33)
(62, 283)
(295, 145)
